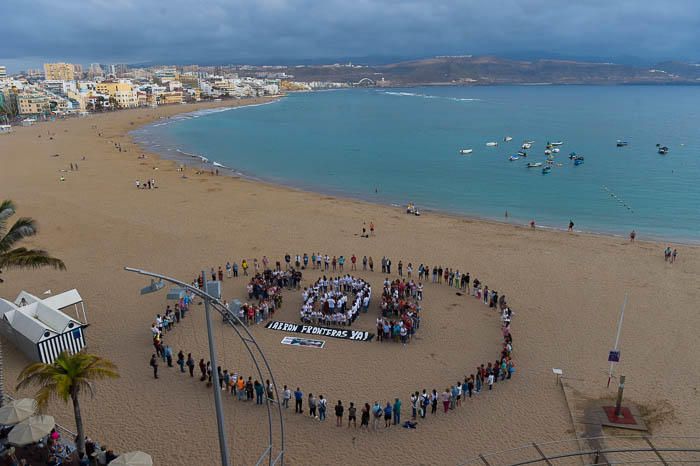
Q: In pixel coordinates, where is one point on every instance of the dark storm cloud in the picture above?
(220, 30)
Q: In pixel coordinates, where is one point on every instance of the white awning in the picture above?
(63, 300)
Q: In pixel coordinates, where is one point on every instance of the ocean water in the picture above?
(399, 145)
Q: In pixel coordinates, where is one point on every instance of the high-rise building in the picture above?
(78, 69)
(95, 70)
(3, 72)
(59, 71)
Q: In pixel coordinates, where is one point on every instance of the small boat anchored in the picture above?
(555, 144)
(534, 164)
(514, 157)
(491, 144)
(526, 146)
(507, 139)
(663, 150)
(546, 170)
(621, 143)
(466, 151)
(578, 160)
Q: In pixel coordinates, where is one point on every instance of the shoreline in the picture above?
(233, 172)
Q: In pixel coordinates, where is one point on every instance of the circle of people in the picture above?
(451, 398)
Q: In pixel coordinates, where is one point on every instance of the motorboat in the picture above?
(663, 150)
(546, 170)
(555, 144)
(514, 157)
(555, 150)
(578, 160)
(466, 151)
(547, 152)
(534, 164)
(491, 144)
(526, 146)
(572, 155)
(522, 154)
(621, 143)
(507, 139)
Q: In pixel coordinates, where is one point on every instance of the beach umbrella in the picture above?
(133, 458)
(17, 411)
(31, 430)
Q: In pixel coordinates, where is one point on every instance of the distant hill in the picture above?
(494, 70)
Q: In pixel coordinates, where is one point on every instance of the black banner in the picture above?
(344, 334)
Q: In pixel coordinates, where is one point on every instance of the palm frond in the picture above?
(7, 210)
(23, 258)
(22, 228)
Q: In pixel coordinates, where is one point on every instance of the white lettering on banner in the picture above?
(356, 335)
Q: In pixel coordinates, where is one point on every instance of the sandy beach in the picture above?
(566, 290)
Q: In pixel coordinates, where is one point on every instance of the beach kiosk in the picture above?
(5, 129)
(40, 328)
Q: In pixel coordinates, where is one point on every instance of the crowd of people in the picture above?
(400, 311)
(336, 300)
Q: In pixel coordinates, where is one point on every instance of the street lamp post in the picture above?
(223, 444)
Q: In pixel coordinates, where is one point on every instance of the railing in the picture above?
(595, 451)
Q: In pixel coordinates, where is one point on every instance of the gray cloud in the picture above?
(227, 30)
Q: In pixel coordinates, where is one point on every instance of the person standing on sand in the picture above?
(571, 225)
(286, 396)
(364, 420)
(377, 412)
(633, 235)
(322, 406)
(371, 264)
(445, 397)
(387, 415)
(190, 364)
(352, 415)
(154, 365)
(312, 406)
(371, 228)
(490, 380)
(397, 411)
(339, 410)
(674, 255)
(181, 360)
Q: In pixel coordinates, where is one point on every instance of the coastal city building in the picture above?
(122, 91)
(32, 103)
(59, 71)
(3, 72)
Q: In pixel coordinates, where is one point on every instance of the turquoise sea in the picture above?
(393, 146)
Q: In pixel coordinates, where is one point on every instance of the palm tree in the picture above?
(19, 258)
(65, 378)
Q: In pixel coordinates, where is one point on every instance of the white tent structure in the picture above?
(40, 328)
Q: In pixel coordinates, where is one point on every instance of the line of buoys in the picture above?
(618, 199)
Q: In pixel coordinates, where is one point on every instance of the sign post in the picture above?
(614, 355)
(620, 389)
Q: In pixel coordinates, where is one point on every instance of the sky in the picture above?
(236, 31)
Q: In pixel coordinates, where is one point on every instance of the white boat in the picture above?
(547, 152)
(513, 157)
(534, 164)
(555, 150)
(556, 143)
(466, 151)
(507, 139)
(491, 144)
(526, 146)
